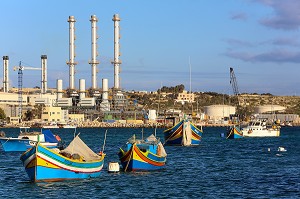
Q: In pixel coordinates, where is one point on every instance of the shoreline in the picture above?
(119, 125)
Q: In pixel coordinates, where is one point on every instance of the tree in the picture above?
(2, 114)
(38, 110)
(28, 115)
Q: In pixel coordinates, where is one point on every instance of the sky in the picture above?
(163, 43)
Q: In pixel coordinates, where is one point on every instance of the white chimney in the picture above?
(59, 87)
(72, 55)
(104, 105)
(44, 73)
(5, 74)
(81, 88)
(116, 61)
(94, 61)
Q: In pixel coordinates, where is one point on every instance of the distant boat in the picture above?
(143, 155)
(234, 132)
(27, 139)
(66, 126)
(184, 133)
(77, 161)
(259, 128)
(69, 126)
(52, 125)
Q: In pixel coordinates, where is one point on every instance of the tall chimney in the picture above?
(116, 61)
(72, 55)
(5, 74)
(59, 87)
(44, 73)
(94, 61)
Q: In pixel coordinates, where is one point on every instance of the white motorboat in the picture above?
(259, 128)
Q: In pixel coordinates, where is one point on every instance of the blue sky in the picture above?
(260, 39)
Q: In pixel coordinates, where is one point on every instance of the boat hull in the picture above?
(44, 165)
(136, 160)
(262, 133)
(175, 134)
(15, 144)
(234, 133)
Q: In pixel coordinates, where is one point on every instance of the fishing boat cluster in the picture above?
(46, 159)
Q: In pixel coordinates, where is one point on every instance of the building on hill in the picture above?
(185, 97)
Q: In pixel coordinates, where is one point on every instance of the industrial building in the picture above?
(70, 101)
(218, 113)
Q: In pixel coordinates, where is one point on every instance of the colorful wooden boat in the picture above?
(234, 132)
(184, 133)
(77, 161)
(143, 155)
(27, 139)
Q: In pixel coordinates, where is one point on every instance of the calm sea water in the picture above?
(218, 168)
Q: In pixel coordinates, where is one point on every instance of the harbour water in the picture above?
(218, 168)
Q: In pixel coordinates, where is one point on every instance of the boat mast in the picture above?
(190, 85)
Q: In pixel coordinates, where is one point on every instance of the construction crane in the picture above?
(20, 69)
(233, 83)
(240, 100)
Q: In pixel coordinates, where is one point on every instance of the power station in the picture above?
(93, 100)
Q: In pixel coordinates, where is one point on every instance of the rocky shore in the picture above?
(96, 124)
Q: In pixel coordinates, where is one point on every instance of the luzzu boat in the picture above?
(143, 155)
(234, 132)
(77, 161)
(184, 133)
(27, 139)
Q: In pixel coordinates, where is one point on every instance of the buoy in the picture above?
(113, 167)
(281, 148)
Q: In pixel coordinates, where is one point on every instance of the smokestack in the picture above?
(5, 74)
(116, 61)
(59, 87)
(81, 88)
(105, 90)
(94, 61)
(104, 105)
(72, 55)
(44, 73)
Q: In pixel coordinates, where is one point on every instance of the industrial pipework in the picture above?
(5, 74)
(94, 61)
(44, 74)
(72, 55)
(116, 61)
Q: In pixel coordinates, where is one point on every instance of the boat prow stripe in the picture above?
(69, 168)
(138, 152)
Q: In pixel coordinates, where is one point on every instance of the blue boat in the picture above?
(77, 161)
(234, 132)
(184, 133)
(27, 139)
(143, 155)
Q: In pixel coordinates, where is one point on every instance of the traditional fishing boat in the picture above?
(27, 139)
(143, 155)
(184, 133)
(77, 161)
(234, 132)
(259, 128)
